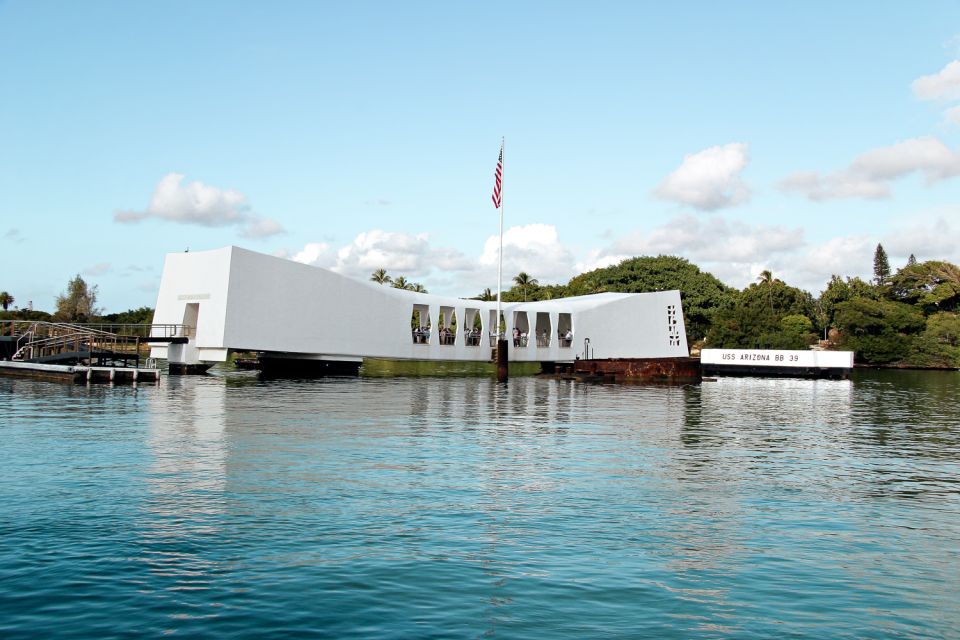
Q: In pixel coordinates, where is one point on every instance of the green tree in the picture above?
(881, 266)
(766, 277)
(401, 282)
(26, 314)
(939, 344)
(486, 295)
(911, 260)
(78, 303)
(839, 290)
(5, 300)
(523, 280)
(548, 292)
(702, 294)
(932, 286)
(878, 331)
(380, 277)
(140, 315)
(753, 318)
(796, 332)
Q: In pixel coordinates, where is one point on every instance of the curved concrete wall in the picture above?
(248, 301)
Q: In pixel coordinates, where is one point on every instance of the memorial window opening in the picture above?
(420, 324)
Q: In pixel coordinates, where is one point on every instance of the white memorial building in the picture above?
(232, 299)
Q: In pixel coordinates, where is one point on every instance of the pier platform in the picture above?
(79, 374)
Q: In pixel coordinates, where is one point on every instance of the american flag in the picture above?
(498, 175)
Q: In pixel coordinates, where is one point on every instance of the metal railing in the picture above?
(19, 327)
(37, 340)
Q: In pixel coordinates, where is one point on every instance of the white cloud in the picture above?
(317, 254)
(201, 204)
(843, 255)
(733, 251)
(927, 238)
(713, 240)
(534, 248)
(399, 253)
(952, 115)
(134, 269)
(710, 179)
(261, 228)
(736, 252)
(98, 269)
(393, 251)
(869, 175)
(927, 155)
(935, 239)
(842, 184)
(945, 84)
(599, 259)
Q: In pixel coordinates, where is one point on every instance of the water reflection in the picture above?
(185, 502)
(911, 412)
(415, 483)
(538, 508)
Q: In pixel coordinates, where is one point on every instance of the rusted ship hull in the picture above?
(662, 370)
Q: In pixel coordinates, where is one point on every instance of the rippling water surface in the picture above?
(225, 506)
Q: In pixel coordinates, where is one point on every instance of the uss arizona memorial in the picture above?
(232, 299)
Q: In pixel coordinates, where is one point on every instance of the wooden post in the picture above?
(501, 360)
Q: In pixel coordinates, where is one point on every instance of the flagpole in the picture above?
(501, 351)
(500, 253)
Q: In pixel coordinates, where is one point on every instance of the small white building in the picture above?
(235, 299)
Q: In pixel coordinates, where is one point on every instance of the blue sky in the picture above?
(362, 135)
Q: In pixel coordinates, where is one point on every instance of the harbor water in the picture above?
(453, 507)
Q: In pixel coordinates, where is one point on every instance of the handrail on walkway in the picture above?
(38, 338)
(20, 327)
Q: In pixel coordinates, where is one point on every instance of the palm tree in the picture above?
(5, 300)
(416, 286)
(766, 279)
(523, 281)
(380, 277)
(400, 282)
(486, 295)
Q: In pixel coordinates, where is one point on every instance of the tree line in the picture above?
(78, 303)
(909, 317)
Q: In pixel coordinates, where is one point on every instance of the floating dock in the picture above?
(79, 374)
(82, 353)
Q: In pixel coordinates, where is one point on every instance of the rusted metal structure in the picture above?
(662, 370)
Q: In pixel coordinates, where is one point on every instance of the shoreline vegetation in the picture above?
(907, 319)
